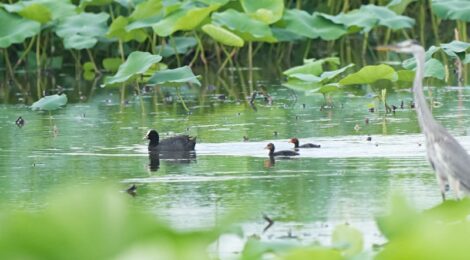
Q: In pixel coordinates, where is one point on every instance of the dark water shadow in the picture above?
(176, 157)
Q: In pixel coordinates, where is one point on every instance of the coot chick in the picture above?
(295, 141)
(175, 143)
(271, 148)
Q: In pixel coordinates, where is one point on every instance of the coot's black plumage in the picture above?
(175, 143)
(295, 141)
(271, 148)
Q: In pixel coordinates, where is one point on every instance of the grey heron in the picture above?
(448, 158)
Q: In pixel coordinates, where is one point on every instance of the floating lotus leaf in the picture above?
(14, 29)
(435, 69)
(42, 10)
(452, 9)
(49, 103)
(118, 30)
(185, 18)
(244, 26)
(311, 26)
(174, 77)
(370, 74)
(176, 45)
(82, 31)
(266, 11)
(137, 63)
(223, 36)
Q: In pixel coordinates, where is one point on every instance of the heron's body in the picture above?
(448, 158)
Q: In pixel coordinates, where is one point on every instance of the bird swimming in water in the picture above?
(295, 141)
(175, 143)
(271, 149)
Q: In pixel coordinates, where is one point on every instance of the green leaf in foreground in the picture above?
(435, 69)
(137, 63)
(49, 103)
(174, 77)
(347, 239)
(14, 29)
(223, 36)
(370, 74)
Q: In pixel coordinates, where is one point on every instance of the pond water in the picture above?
(349, 179)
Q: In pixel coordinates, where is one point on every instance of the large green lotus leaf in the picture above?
(147, 9)
(369, 16)
(284, 35)
(311, 26)
(144, 23)
(137, 63)
(174, 77)
(49, 103)
(243, 25)
(85, 3)
(329, 75)
(266, 11)
(348, 239)
(186, 18)
(399, 6)
(467, 59)
(370, 74)
(176, 45)
(118, 30)
(312, 67)
(15, 29)
(84, 27)
(455, 47)
(435, 69)
(406, 75)
(223, 35)
(355, 18)
(306, 77)
(452, 9)
(42, 10)
(112, 64)
(301, 85)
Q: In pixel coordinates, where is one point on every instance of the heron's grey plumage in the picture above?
(449, 159)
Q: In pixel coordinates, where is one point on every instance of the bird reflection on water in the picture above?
(176, 157)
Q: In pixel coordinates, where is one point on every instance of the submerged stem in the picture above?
(178, 94)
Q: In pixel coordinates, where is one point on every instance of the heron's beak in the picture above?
(386, 48)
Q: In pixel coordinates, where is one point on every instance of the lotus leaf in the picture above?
(223, 36)
(112, 64)
(147, 9)
(311, 26)
(435, 69)
(243, 25)
(137, 63)
(369, 16)
(406, 75)
(266, 11)
(174, 77)
(467, 59)
(370, 74)
(284, 35)
(301, 85)
(313, 67)
(42, 10)
(329, 75)
(399, 6)
(82, 31)
(455, 47)
(176, 45)
(118, 30)
(85, 3)
(452, 9)
(185, 18)
(49, 103)
(411, 63)
(14, 29)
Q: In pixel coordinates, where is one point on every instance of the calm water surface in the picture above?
(347, 180)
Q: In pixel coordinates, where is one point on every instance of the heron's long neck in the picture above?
(424, 114)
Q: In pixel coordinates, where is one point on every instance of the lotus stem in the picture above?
(38, 54)
(8, 63)
(250, 65)
(307, 48)
(201, 47)
(228, 59)
(181, 99)
(364, 47)
(173, 45)
(97, 71)
(422, 21)
(142, 107)
(121, 50)
(27, 50)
